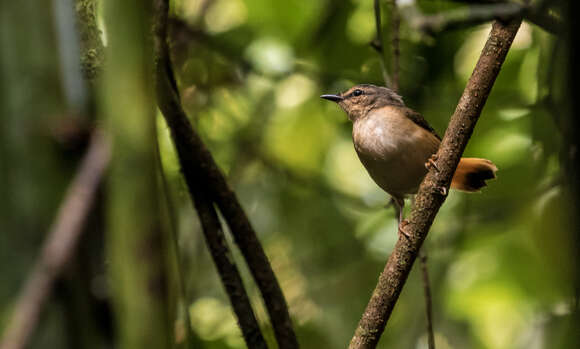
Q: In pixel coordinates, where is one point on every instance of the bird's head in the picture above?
(361, 99)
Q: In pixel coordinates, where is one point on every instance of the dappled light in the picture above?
(246, 77)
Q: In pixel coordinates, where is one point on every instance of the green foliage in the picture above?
(291, 159)
(136, 250)
(250, 76)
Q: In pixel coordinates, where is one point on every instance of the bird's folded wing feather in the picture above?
(420, 120)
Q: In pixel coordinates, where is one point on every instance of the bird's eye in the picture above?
(357, 93)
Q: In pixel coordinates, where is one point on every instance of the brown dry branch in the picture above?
(435, 185)
(59, 246)
(199, 168)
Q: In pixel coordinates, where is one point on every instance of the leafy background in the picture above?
(251, 72)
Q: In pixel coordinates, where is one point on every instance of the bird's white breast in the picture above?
(393, 149)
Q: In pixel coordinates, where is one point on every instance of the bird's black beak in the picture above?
(334, 98)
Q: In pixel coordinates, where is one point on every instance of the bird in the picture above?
(397, 145)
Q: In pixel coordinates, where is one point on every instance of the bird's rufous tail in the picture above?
(472, 173)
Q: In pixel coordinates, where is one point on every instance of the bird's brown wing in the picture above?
(420, 120)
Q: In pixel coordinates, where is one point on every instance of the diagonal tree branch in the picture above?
(59, 246)
(198, 166)
(435, 185)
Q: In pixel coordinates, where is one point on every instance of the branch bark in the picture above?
(59, 246)
(198, 165)
(92, 49)
(435, 185)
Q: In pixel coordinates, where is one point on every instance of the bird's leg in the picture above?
(431, 162)
(399, 204)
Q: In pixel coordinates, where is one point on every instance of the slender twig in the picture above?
(198, 165)
(59, 246)
(171, 218)
(428, 302)
(395, 43)
(466, 17)
(224, 261)
(546, 20)
(378, 43)
(211, 226)
(435, 185)
(484, 12)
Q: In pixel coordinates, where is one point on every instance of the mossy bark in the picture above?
(136, 245)
(92, 49)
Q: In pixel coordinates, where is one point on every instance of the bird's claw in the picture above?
(440, 191)
(431, 163)
(402, 230)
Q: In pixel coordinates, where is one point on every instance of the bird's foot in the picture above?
(431, 163)
(440, 191)
(402, 230)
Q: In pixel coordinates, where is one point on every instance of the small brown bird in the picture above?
(395, 144)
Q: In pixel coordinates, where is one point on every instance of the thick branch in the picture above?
(435, 185)
(59, 246)
(196, 161)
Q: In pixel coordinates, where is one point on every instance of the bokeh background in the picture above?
(250, 72)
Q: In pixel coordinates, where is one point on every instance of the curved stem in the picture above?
(198, 166)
